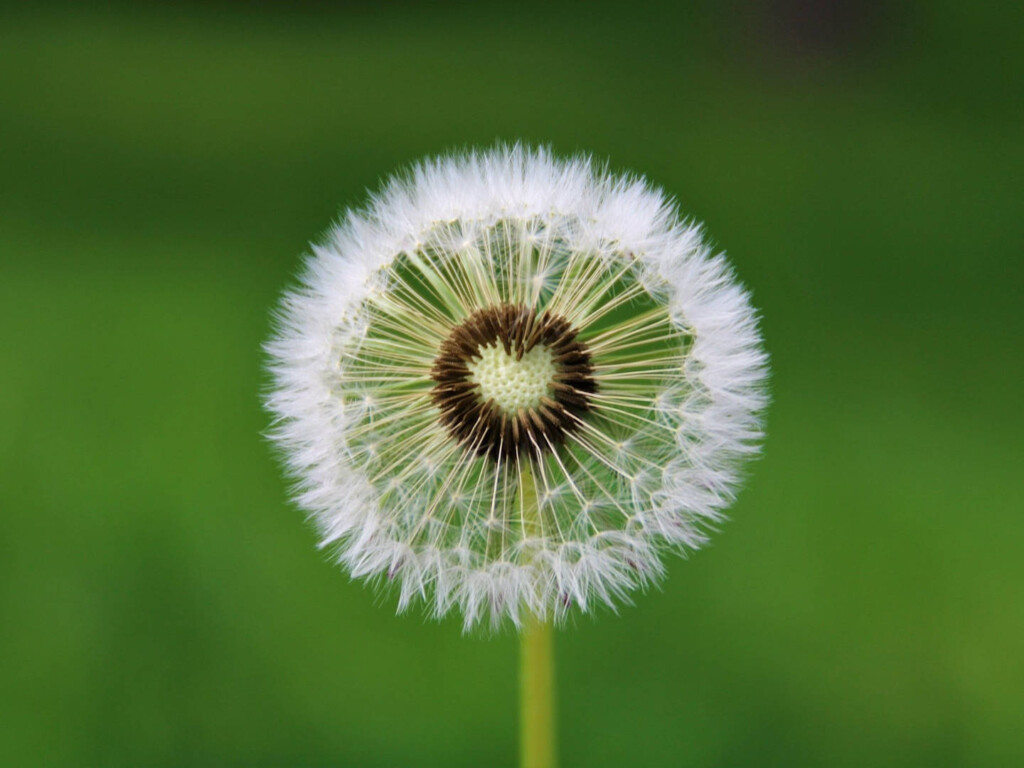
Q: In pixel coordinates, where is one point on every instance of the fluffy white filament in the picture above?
(677, 356)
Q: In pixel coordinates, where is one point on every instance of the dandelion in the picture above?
(512, 383)
(508, 326)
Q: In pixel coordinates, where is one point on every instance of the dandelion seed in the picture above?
(504, 325)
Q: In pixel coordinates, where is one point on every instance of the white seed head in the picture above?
(512, 383)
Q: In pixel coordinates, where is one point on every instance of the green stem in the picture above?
(537, 695)
(537, 747)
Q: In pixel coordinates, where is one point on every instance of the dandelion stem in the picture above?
(537, 743)
(537, 695)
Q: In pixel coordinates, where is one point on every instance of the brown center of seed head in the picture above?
(485, 426)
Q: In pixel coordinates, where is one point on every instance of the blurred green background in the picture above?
(162, 169)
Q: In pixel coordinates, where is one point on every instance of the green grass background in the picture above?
(163, 168)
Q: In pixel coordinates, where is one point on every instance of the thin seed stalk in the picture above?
(537, 742)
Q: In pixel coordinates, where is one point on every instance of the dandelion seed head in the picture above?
(512, 383)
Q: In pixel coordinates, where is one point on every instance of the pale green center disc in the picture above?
(512, 384)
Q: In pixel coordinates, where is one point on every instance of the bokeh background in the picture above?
(162, 169)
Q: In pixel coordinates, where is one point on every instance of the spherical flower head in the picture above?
(512, 383)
